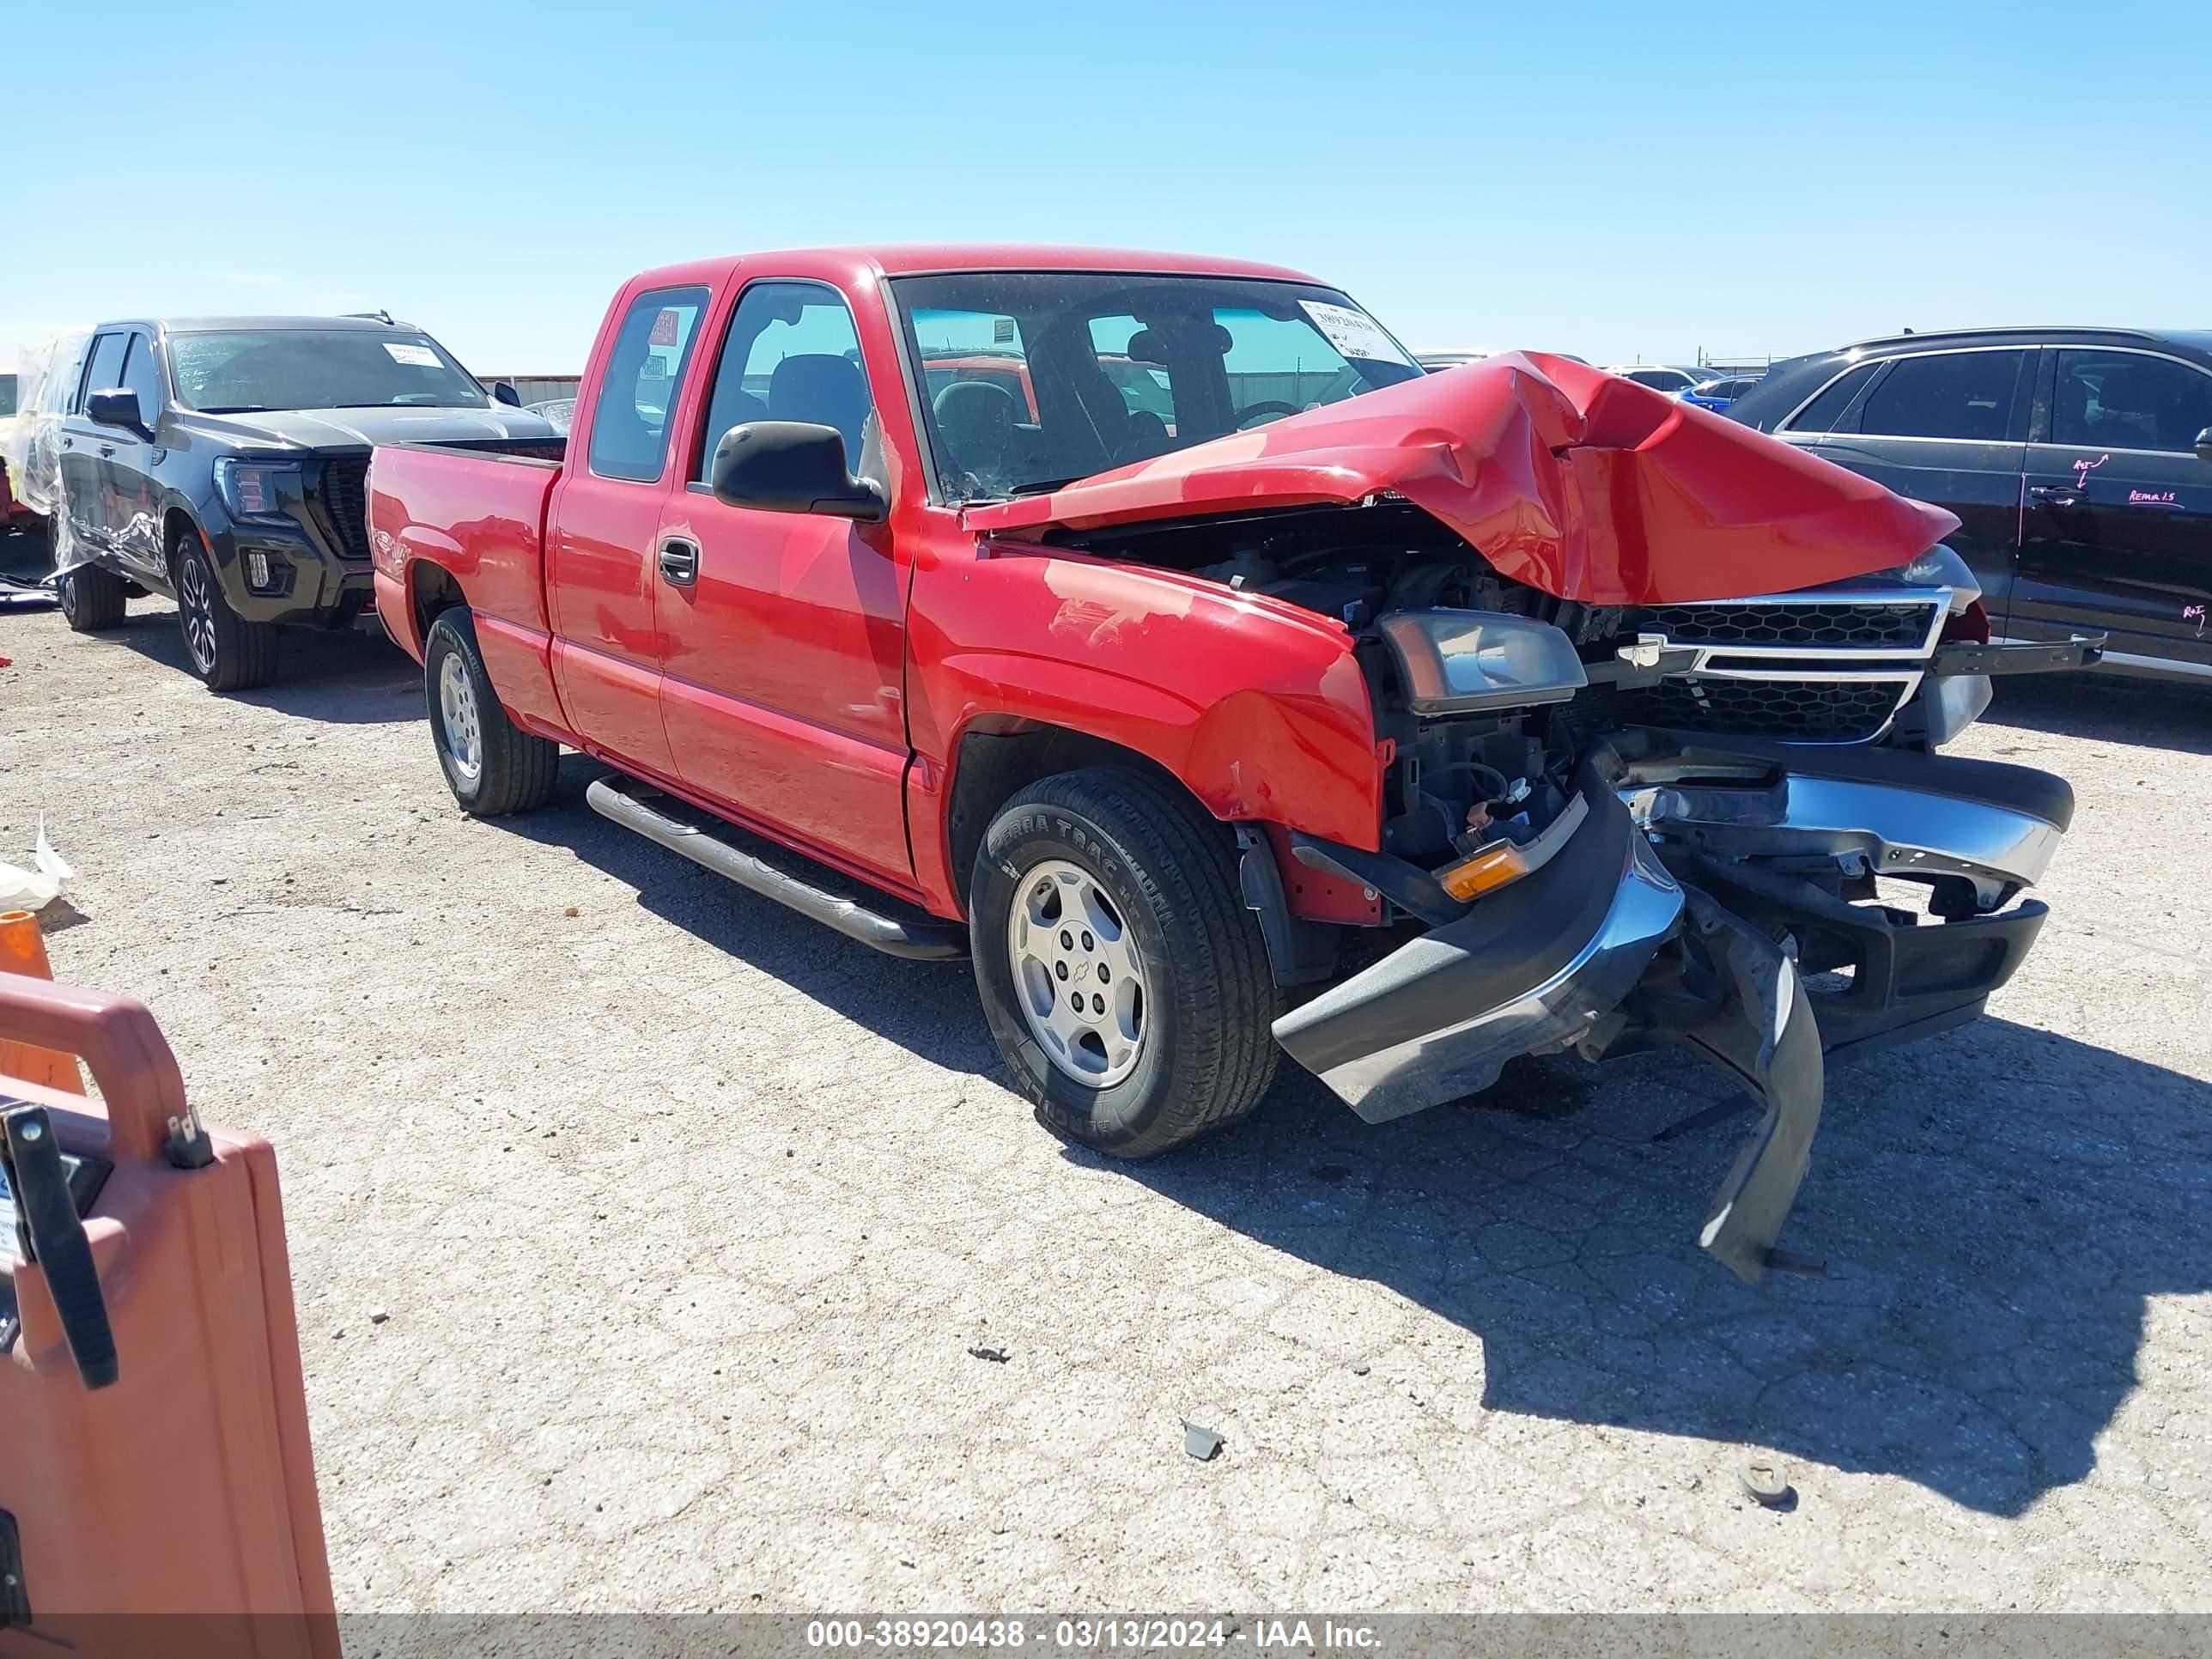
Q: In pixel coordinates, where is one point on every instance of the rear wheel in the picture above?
(226, 652)
(492, 765)
(1126, 984)
(91, 598)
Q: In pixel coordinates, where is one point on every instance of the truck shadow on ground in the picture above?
(2142, 713)
(1993, 1211)
(344, 678)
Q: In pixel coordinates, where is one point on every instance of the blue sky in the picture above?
(1617, 181)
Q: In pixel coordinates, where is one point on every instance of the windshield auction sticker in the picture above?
(415, 356)
(1353, 333)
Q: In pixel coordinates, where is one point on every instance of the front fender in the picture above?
(1259, 709)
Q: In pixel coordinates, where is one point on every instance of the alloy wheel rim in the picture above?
(199, 613)
(1078, 975)
(457, 718)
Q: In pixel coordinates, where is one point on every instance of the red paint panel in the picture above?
(823, 787)
(521, 663)
(943, 890)
(1576, 482)
(477, 518)
(1258, 707)
(601, 589)
(396, 613)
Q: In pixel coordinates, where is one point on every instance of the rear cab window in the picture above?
(644, 379)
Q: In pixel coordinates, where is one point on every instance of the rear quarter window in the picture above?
(645, 375)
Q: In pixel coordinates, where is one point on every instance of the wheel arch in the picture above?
(996, 757)
(431, 590)
(177, 523)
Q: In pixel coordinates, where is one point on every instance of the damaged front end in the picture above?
(1725, 894)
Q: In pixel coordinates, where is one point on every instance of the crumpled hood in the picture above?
(350, 429)
(1566, 478)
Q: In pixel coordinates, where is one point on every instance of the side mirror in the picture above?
(792, 467)
(2204, 445)
(118, 407)
(503, 391)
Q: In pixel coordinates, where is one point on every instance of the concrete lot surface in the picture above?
(685, 1214)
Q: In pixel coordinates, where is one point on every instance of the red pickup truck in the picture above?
(1407, 723)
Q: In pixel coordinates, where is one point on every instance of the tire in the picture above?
(226, 652)
(92, 599)
(492, 765)
(1164, 873)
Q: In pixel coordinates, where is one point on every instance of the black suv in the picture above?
(220, 461)
(2079, 461)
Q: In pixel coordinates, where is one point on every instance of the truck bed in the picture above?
(474, 513)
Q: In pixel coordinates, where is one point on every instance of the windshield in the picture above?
(234, 371)
(1033, 378)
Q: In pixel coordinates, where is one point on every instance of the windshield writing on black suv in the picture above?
(239, 370)
(1032, 378)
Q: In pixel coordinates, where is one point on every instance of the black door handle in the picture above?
(2058, 494)
(107, 449)
(679, 562)
(69, 443)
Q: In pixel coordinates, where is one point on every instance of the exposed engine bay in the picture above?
(1473, 764)
(1610, 829)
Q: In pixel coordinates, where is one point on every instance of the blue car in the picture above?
(1719, 394)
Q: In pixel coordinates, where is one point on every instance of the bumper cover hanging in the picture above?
(1610, 951)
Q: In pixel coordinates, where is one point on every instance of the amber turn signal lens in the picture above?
(1485, 871)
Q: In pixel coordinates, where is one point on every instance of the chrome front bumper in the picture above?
(1876, 827)
(1658, 925)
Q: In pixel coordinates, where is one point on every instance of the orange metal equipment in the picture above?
(23, 950)
(154, 1451)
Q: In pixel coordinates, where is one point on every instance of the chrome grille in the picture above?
(1796, 623)
(1831, 665)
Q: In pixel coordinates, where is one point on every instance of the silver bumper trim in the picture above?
(1896, 831)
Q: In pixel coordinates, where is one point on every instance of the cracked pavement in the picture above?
(686, 1213)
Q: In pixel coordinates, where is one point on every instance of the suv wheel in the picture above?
(91, 598)
(492, 765)
(226, 652)
(1126, 984)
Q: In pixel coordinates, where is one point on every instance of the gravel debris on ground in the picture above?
(680, 1199)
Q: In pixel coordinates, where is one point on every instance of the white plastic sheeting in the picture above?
(36, 887)
(30, 440)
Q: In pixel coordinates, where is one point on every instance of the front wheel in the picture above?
(492, 765)
(228, 653)
(1126, 985)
